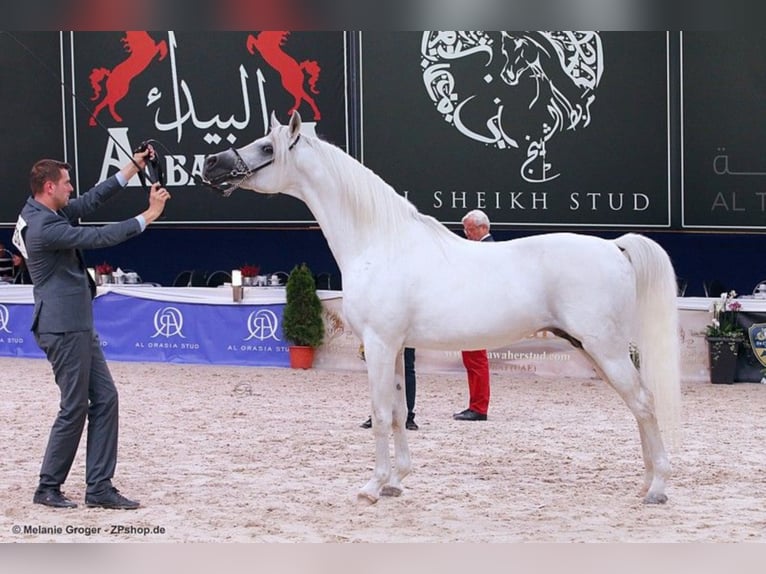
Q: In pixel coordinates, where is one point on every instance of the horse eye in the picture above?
(267, 149)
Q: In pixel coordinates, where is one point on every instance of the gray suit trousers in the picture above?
(87, 391)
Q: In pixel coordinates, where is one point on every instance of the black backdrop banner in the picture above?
(724, 122)
(546, 129)
(199, 93)
(32, 112)
(535, 128)
(195, 93)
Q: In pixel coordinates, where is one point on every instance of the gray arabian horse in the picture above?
(601, 295)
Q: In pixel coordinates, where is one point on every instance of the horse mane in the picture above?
(375, 206)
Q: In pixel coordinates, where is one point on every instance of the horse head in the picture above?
(245, 167)
(522, 55)
(565, 67)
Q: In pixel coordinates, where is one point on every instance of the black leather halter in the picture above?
(239, 170)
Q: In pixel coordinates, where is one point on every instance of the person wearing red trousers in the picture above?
(476, 363)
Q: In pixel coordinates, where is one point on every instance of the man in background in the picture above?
(8, 264)
(476, 228)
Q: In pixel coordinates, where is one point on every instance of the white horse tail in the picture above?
(657, 320)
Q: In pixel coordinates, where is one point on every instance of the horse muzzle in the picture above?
(223, 188)
(220, 173)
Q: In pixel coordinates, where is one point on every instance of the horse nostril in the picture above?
(210, 162)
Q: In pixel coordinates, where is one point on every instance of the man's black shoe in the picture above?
(469, 415)
(409, 425)
(110, 498)
(52, 497)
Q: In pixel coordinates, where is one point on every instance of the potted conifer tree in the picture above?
(302, 323)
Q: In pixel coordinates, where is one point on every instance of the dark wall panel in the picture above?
(724, 128)
(536, 128)
(31, 111)
(410, 139)
(198, 94)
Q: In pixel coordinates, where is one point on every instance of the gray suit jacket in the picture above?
(62, 291)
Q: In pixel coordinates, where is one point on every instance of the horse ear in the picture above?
(295, 125)
(274, 121)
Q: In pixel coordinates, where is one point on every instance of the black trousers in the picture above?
(409, 380)
(87, 392)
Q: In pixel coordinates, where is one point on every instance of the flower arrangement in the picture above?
(250, 270)
(724, 322)
(104, 269)
(724, 338)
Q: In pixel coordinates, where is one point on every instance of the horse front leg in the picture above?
(403, 463)
(380, 373)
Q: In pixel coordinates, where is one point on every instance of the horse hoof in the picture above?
(389, 490)
(366, 499)
(655, 499)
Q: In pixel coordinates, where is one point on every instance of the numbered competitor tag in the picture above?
(18, 237)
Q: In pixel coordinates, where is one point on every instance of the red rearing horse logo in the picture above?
(269, 44)
(142, 49)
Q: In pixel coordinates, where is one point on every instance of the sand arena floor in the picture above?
(234, 454)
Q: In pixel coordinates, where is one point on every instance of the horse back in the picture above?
(449, 293)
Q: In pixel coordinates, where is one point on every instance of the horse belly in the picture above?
(472, 329)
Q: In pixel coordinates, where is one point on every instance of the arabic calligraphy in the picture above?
(721, 165)
(535, 168)
(494, 126)
(183, 103)
(513, 61)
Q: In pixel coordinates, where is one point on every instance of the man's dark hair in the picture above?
(45, 170)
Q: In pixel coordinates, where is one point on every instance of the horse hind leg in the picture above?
(94, 114)
(110, 103)
(653, 489)
(113, 110)
(623, 377)
(314, 107)
(302, 96)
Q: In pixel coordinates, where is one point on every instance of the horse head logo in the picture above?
(269, 45)
(564, 67)
(141, 49)
(552, 78)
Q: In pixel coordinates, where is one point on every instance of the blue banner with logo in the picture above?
(16, 338)
(135, 329)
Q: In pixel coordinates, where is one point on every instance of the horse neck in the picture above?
(328, 218)
(353, 206)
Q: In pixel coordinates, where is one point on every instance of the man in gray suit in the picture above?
(48, 237)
